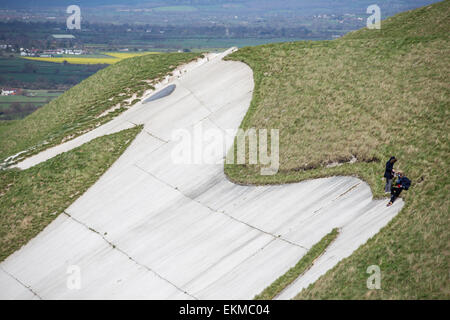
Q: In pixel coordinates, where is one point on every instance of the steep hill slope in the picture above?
(369, 95)
(153, 214)
(31, 199)
(82, 107)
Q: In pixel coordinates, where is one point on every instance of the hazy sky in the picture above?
(292, 4)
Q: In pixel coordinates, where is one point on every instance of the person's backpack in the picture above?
(406, 183)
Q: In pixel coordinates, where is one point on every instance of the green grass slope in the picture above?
(427, 22)
(77, 110)
(369, 95)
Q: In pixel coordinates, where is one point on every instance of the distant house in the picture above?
(10, 92)
(63, 36)
(29, 53)
(50, 52)
(73, 51)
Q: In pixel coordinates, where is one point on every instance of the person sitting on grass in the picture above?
(403, 183)
(389, 174)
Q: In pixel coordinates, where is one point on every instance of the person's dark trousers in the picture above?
(395, 192)
(388, 186)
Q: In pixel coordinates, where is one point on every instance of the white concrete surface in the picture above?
(124, 121)
(152, 229)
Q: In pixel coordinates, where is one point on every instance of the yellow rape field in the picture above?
(77, 60)
(115, 57)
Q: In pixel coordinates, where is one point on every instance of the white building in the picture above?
(8, 92)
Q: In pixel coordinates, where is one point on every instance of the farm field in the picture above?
(108, 58)
(19, 106)
(47, 76)
(29, 74)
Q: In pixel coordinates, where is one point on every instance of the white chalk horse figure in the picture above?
(153, 229)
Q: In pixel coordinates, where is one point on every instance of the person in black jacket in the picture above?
(403, 183)
(389, 174)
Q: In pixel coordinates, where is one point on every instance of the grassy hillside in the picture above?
(426, 22)
(369, 95)
(78, 109)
